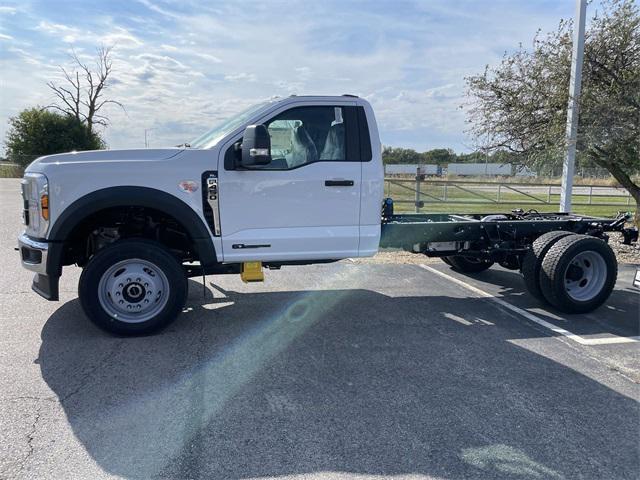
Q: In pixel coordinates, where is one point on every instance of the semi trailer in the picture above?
(479, 169)
(287, 182)
(430, 170)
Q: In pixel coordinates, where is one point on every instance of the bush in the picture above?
(35, 132)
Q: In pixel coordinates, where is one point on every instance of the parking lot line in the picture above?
(530, 316)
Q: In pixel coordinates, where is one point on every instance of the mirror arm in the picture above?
(237, 155)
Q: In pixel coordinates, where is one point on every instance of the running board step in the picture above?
(252, 272)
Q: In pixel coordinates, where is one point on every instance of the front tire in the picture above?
(133, 287)
(578, 274)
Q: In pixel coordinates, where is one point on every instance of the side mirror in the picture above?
(256, 146)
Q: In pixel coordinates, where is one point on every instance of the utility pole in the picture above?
(574, 106)
(146, 141)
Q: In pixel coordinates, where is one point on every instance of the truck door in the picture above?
(305, 204)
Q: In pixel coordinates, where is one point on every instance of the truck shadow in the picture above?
(620, 314)
(297, 382)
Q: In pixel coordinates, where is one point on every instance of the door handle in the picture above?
(338, 183)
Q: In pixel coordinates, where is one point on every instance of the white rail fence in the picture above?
(420, 191)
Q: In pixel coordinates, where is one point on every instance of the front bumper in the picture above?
(34, 255)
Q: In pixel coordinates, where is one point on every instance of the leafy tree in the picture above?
(407, 155)
(36, 131)
(400, 155)
(520, 105)
(473, 157)
(439, 156)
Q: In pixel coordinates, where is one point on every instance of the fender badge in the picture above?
(188, 186)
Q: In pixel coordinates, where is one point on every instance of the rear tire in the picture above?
(446, 260)
(532, 262)
(467, 264)
(133, 287)
(578, 274)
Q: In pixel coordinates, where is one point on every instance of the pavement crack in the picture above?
(30, 437)
(19, 292)
(89, 373)
(28, 397)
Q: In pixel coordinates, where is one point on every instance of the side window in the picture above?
(305, 135)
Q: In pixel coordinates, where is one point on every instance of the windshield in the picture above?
(213, 136)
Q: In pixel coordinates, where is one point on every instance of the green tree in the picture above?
(439, 156)
(473, 157)
(400, 155)
(35, 132)
(520, 105)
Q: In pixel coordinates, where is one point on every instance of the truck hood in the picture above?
(137, 155)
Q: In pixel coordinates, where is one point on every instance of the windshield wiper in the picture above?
(185, 145)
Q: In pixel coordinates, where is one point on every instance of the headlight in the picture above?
(35, 195)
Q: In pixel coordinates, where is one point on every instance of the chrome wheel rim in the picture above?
(133, 290)
(585, 276)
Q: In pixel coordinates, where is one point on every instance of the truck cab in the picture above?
(315, 195)
(287, 181)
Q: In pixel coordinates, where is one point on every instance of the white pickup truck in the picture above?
(291, 181)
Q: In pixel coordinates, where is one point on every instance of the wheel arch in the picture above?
(128, 196)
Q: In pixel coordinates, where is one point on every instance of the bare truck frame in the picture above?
(564, 258)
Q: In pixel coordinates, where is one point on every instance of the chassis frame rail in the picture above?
(488, 235)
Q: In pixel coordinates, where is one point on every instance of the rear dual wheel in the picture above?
(573, 273)
(532, 262)
(578, 273)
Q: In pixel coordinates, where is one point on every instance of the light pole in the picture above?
(146, 142)
(573, 107)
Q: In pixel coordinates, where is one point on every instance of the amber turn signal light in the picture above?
(44, 206)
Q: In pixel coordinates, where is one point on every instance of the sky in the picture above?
(181, 66)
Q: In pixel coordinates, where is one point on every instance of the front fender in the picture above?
(128, 197)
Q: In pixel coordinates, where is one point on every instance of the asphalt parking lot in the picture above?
(342, 370)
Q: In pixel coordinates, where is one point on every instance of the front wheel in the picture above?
(133, 287)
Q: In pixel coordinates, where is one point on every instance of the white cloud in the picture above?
(5, 37)
(67, 33)
(206, 56)
(155, 8)
(55, 28)
(121, 38)
(4, 10)
(242, 76)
